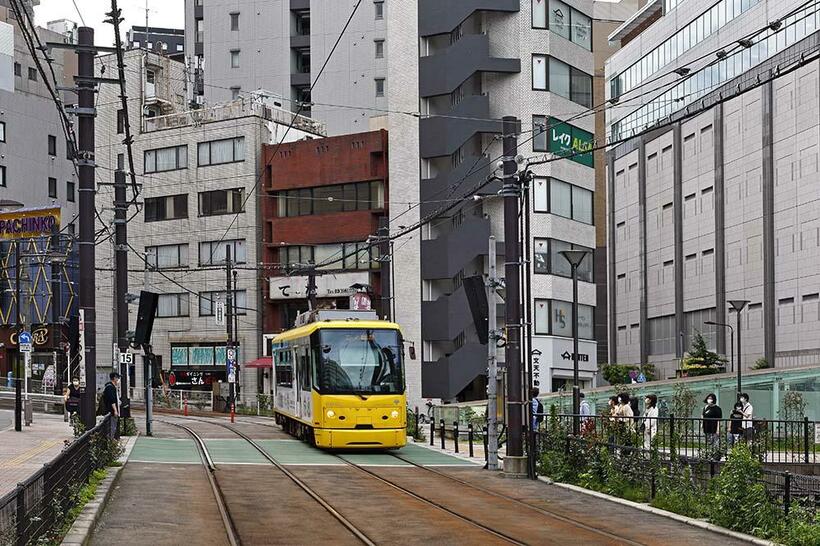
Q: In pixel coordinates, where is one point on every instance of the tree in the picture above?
(700, 360)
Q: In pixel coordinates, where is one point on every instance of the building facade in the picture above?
(237, 47)
(323, 202)
(715, 198)
(201, 173)
(164, 41)
(478, 63)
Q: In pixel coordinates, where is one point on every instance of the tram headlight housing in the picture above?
(331, 414)
(394, 414)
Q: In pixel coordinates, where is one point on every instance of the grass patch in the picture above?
(83, 497)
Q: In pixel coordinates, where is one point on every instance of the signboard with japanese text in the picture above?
(330, 285)
(567, 140)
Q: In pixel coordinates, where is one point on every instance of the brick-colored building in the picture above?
(323, 199)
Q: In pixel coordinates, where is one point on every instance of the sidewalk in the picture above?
(23, 453)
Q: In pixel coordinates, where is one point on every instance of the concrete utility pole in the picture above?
(18, 381)
(121, 267)
(311, 288)
(147, 359)
(492, 363)
(515, 462)
(86, 164)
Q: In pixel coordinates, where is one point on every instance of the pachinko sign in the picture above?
(23, 224)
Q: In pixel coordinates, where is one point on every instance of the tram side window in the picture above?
(304, 368)
(284, 368)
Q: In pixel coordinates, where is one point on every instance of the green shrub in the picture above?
(618, 374)
(677, 492)
(800, 529)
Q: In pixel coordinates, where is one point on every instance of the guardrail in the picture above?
(38, 505)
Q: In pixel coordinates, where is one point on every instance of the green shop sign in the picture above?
(570, 141)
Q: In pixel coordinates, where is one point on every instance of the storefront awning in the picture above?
(263, 362)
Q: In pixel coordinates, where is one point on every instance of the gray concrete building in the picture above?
(201, 173)
(164, 41)
(34, 167)
(715, 198)
(480, 62)
(234, 47)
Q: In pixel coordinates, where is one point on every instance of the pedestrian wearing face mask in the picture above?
(712, 414)
(748, 417)
(735, 424)
(72, 397)
(649, 426)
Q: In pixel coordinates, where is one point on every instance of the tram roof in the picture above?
(308, 329)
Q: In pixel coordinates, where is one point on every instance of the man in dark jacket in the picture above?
(111, 401)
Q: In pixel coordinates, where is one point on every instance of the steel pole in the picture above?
(85, 161)
(121, 266)
(229, 323)
(492, 362)
(576, 388)
(512, 259)
(18, 393)
(739, 358)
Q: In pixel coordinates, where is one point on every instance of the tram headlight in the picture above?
(394, 414)
(331, 414)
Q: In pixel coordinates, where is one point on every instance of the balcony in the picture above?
(441, 136)
(300, 79)
(448, 376)
(441, 17)
(442, 258)
(468, 175)
(300, 41)
(443, 73)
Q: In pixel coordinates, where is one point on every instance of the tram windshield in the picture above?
(360, 362)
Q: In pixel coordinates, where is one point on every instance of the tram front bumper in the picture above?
(377, 438)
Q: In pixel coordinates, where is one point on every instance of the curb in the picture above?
(451, 453)
(86, 521)
(657, 511)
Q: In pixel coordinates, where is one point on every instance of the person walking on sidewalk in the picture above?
(111, 402)
(72, 397)
(712, 414)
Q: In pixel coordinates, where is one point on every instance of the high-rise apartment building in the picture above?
(237, 47)
(478, 63)
(715, 197)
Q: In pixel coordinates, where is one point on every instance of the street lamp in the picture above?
(731, 338)
(738, 306)
(575, 257)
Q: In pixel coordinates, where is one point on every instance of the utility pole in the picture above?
(237, 371)
(18, 392)
(147, 359)
(311, 288)
(86, 164)
(492, 363)
(121, 267)
(515, 462)
(229, 348)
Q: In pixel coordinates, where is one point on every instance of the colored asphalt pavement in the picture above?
(24, 453)
(285, 451)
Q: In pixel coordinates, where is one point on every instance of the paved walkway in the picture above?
(25, 452)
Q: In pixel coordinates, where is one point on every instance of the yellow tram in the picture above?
(338, 380)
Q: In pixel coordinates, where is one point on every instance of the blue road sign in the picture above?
(25, 338)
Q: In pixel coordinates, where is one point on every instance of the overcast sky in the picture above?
(162, 13)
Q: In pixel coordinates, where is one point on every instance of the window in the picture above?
(167, 256)
(69, 192)
(554, 317)
(325, 199)
(549, 260)
(172, 305)
(200, 30)
(121, 162)
(52, 187)
(198, 354)
(539, 14)
(120, 122)
(32, 74)
(581, 26)
(52, 145)
(559, 197)
(171, 207)
(234, 58)
(2, 131)
(294, 255)
(539, 140)
(378, 5)
(235, 91)
(559, 18)
(379, 87)
(2, 176)
(234, 21)
(213, 252)
(335, 256)
(207, 300)
(662, 335)
(18, 70)
(379, 48)
(217, 152)
(166, 159)
(212, 203)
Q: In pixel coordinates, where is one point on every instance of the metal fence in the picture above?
(35, 511)
(690, 448)
(773, 441)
